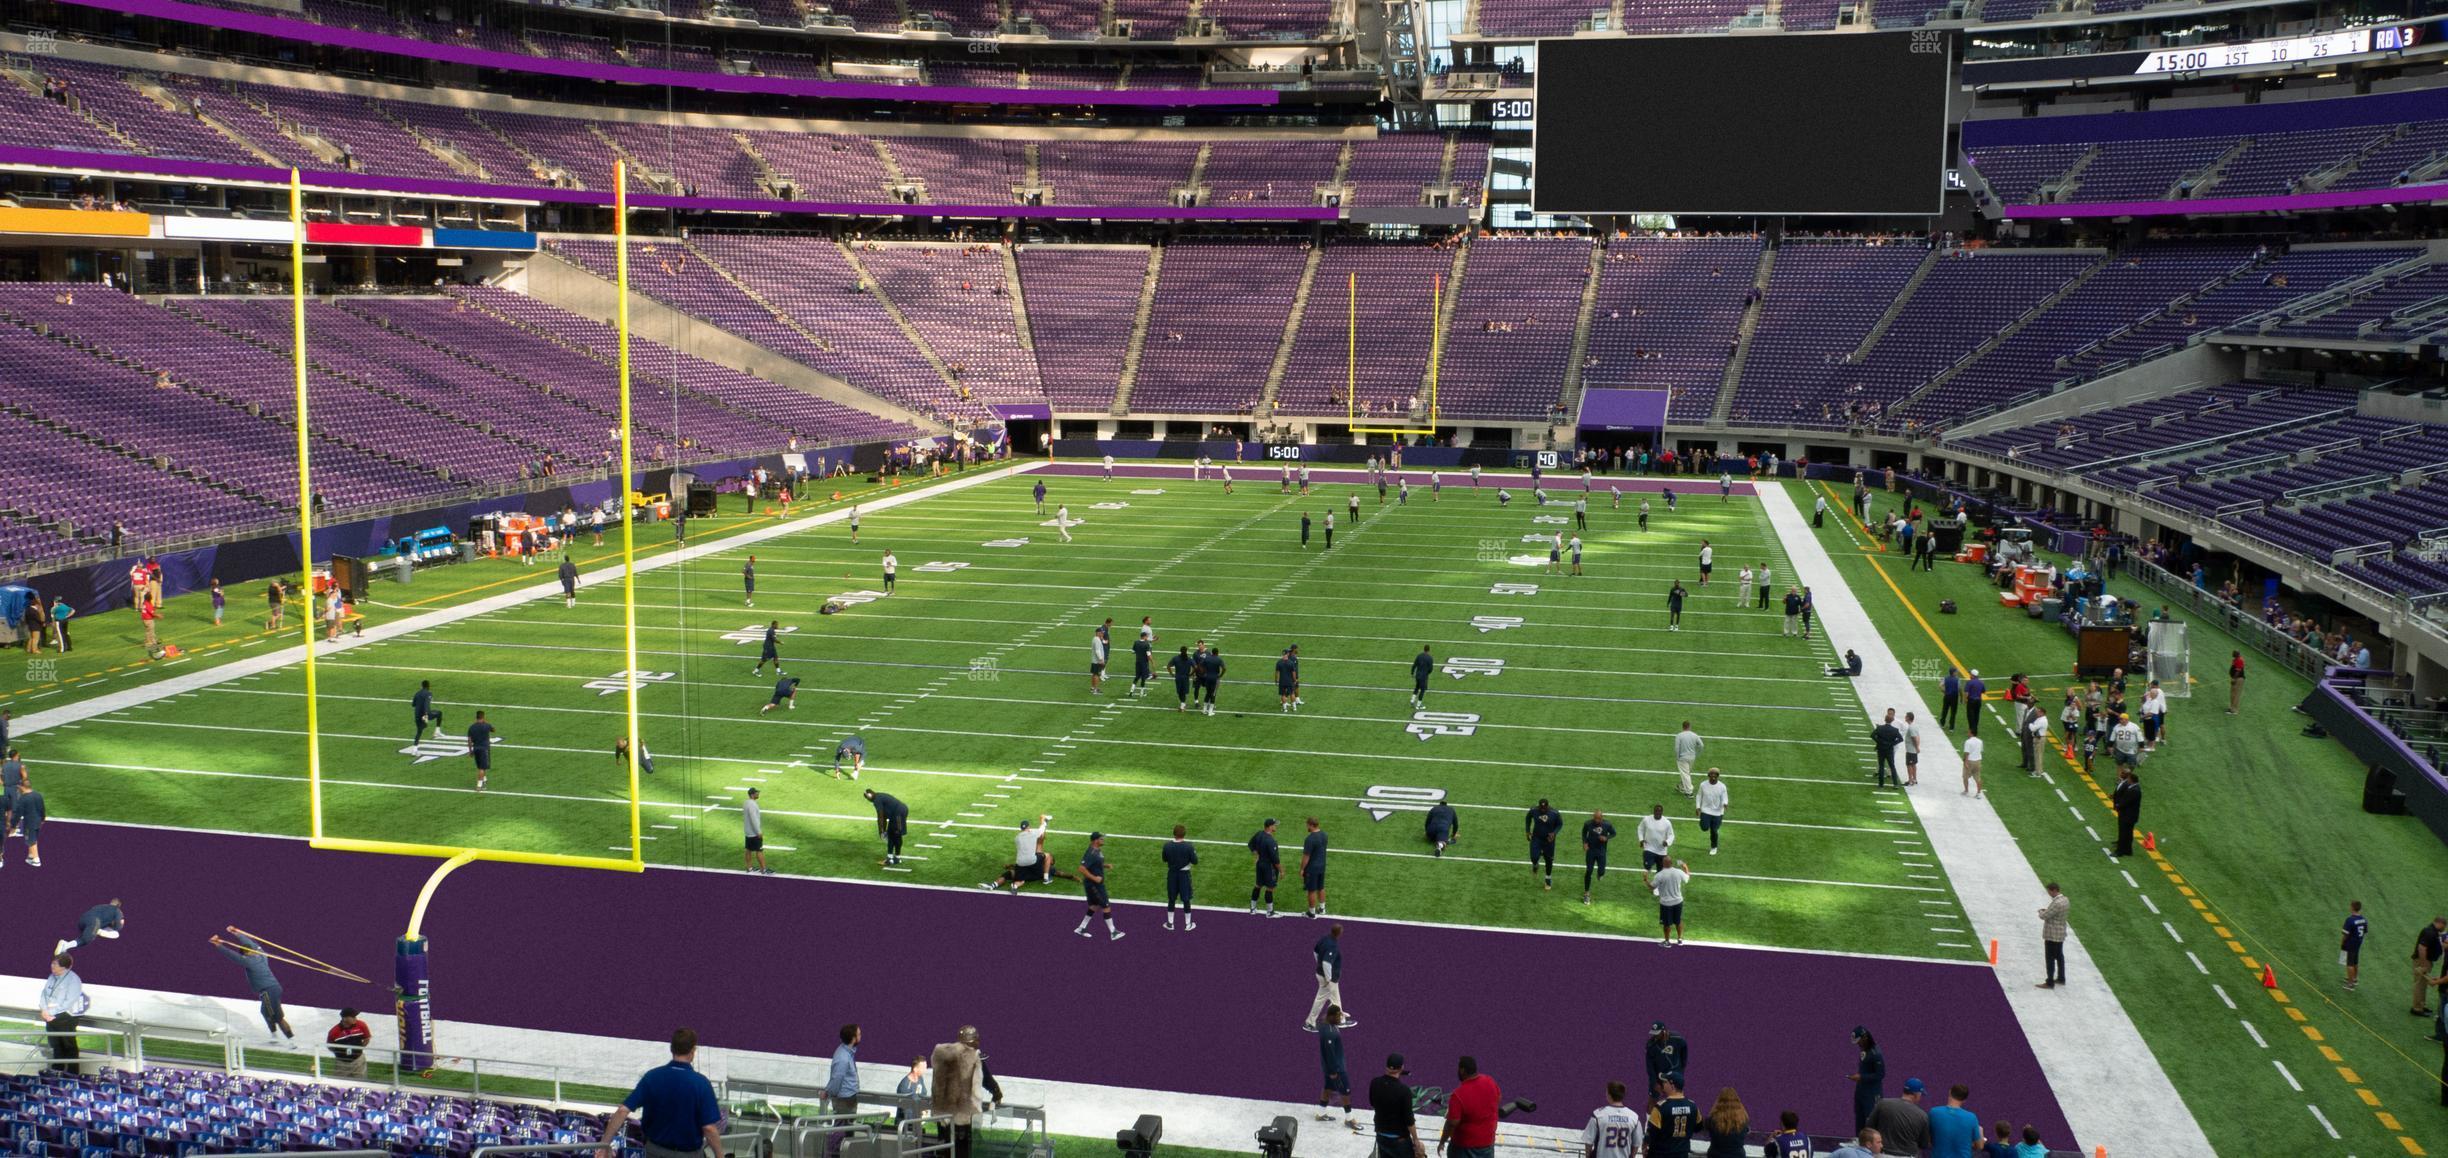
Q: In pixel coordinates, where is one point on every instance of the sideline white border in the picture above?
(2107, 1081)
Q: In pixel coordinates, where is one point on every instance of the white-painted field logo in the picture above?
(41, 670)
(1020, 542)
(938, 567)
(1527, 560)
(755, 633)
(1925, 670)
(1076, 522)
(985, 669)
(1429, 725)
(1460, 666)
(428, 751)
(854, 598)
(1488, 623)
(1149, 491)
(1384, 800)
(619, 681)
(1549, 519)
(1107, 506)
(1514, 589)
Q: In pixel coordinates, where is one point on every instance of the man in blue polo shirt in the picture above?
(681, 1116)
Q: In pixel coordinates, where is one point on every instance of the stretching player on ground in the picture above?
(855, 749)
(1444, 826)
(106, 920)
(1030, 864)
(786, 691)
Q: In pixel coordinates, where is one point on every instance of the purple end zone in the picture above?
(776, 963)
(1560, 482)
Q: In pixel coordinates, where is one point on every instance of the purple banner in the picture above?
(2203, 206)
(1024, 411)
(1623, 409)
(411, 971)
(479, 191)
(309, 32)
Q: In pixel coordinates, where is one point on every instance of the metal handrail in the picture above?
(728, 1140)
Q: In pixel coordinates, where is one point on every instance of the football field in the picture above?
(970, 687)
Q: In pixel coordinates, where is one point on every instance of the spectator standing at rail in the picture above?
(1869, 1075)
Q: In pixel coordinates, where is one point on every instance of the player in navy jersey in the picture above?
(1596, 833)
(1541, 826)
(1313, 868)
(1287, 678)
(1330, 1058)
(771, 652)
(1039, 493)
(786, 690)
(1092, 882)
(748, 580)
(1180, 856)
(480, 746)
(1267, 859)
(1444, 826)
(1183, 668)
(892, 822)
(1143, 654)
(1421, 665)
(1211, 676)
(2350, 943)
(422, 702)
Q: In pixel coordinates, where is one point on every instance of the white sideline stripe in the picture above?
(2112, 1089)
(256, 665)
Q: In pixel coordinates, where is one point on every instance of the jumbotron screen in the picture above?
(1768, 125)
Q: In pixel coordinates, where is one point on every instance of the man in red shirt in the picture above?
(347, 1041)
(1470, 1113)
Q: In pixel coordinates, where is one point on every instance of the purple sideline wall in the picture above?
(103, 586)
(2373, 743)
(306, 31)
(478, 191)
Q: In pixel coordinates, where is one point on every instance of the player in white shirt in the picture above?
(1474, 476)
(1227, 478)
(1656, 836)
(1708, 560)
(1742, 592)
(1614, 1129)
(892, 571)
(1147, 628)
(1304, 478)
(1099, 647)
(1972, 767)
(1667, 883)
(1109, 468)
(1711, 799)
(1030, 864)
(1287, 479)
(1062, 521)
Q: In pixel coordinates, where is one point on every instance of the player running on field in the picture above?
(771, 652)
(1421, 665)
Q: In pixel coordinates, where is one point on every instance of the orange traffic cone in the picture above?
(2269, 977)
(2150, 841)
(837, 496)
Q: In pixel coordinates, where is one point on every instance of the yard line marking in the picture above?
(2197, 963)
(2324, 1118)
(2094, 834)
(2129, 878)
(2256, 1034)
(2146, 903)
(2171, 931)
(2062, 796)
(667, 826)
(2222, 996)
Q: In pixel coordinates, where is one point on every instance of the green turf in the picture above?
(971, 688)
(2265, 826)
